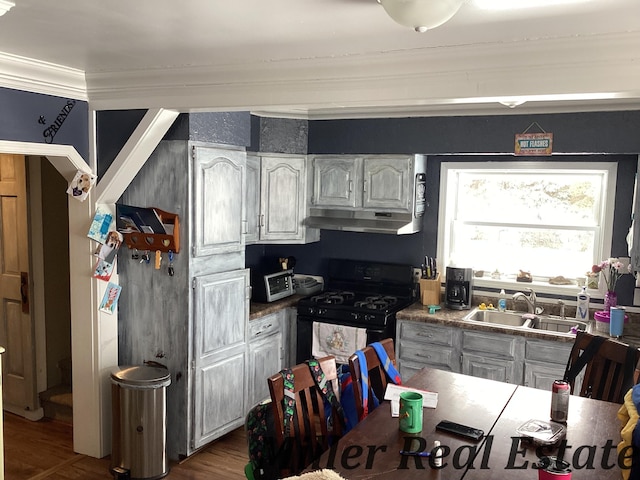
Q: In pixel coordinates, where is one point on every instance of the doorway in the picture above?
(36, 328)
(48, 206)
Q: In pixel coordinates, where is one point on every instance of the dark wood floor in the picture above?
(44, 450)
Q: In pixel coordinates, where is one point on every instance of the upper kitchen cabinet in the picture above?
(386, 183)
(368, 193)
(335, 180)
(277, 215)
(219, 174)
(378, 182)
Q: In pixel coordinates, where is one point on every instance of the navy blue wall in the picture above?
(479, 138)
(613, 133)
(38, 118)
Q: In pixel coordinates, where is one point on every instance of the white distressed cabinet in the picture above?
(496, 356)
(195, 322)
(426, 345)
(266, 353)
(544, 362)
(276, 199)
(376, 182)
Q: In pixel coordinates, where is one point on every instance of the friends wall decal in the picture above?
(50, 132)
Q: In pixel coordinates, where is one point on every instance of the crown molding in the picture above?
(455, 80)
(35, 76)
(464, 77)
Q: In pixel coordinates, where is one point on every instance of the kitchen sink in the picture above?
(552, 323)
(496, 317)
(523, 320)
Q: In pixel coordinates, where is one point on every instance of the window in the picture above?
(546, 218)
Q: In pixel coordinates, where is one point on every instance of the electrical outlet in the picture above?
(417, 274)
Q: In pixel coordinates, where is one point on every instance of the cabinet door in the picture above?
(219, 180)
(387, 183)
(282, 198)
(495, 356)
(337, 182)
(265, 359)
(490, 368)
(542, 375)
(221, 314)
(544, 362)
(252, 200)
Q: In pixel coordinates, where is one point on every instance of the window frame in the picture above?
(447, 196)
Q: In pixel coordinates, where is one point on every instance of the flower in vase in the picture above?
(611, 270)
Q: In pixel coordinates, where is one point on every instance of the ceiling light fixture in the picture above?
(5, 6)
(421, 15)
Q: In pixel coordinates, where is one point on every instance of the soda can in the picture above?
(560, 401)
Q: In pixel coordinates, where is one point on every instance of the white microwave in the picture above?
(272, 286)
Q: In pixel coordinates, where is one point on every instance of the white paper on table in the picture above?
(429, 399)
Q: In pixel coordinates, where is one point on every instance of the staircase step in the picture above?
(57, 403)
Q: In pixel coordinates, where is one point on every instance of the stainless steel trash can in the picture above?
(139, 425)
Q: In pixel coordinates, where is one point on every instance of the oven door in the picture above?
(304, 334)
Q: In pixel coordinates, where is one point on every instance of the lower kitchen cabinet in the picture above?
(544, 362)
(426, 345)
(496, 356)
(266, 353)
(221, 303)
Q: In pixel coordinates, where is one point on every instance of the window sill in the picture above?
(541, 288)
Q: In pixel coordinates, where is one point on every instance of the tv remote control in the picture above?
(460, 430)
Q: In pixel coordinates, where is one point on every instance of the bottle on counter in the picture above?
(582, 305)
(502, 301)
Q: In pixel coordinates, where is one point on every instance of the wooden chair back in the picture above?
(377, 376)
(611, 371)
(308, 435)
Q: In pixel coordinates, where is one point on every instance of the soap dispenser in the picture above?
(582, 305)
(502, 301)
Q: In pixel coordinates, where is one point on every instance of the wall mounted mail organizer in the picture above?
(148, 228)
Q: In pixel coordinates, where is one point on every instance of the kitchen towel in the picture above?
(337, 340)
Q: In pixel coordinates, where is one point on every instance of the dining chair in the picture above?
(314, 424)
(608, 373)
(377, 377)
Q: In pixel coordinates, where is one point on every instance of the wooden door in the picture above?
(282, 198)
(219, 354)
(16, 324)
(337, 182)
(387, 183)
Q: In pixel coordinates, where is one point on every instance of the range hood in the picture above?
(364, 221)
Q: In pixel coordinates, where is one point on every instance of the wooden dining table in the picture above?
(371, 450)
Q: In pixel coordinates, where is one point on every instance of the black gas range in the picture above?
(357, 294)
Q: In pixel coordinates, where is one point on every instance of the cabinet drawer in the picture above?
(425, 332)
(430, 355)
(263, 327)
(500, 345)
(548, 352)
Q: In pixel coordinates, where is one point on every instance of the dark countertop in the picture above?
(420, 313)
(258, 310)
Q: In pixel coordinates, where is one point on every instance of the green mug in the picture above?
(410, 412)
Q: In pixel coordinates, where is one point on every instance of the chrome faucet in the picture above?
(531, 300)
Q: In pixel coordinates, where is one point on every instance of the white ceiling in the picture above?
(323, 58)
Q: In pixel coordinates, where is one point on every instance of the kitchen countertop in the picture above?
(420, 313)
(258, 310)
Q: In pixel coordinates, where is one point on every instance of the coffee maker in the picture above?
(459, 288)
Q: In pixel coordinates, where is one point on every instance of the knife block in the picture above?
(430, 291)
